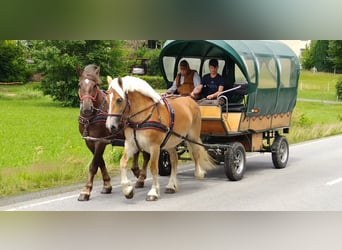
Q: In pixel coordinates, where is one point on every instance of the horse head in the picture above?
(88, 88)
(117, 104)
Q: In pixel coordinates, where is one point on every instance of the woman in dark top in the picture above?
(212, 84)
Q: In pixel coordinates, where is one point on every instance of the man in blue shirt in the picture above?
(212, 84)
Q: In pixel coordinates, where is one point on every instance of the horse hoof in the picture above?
(106, 190)
(151, 198)
(130, 195)
(139, 184)
(83, 197)
(170, 191)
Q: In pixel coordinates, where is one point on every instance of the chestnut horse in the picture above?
(153, 123)
(92, 119)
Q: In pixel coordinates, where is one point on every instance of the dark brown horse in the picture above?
(92, 123)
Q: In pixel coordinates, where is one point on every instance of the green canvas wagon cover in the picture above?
(270, 68)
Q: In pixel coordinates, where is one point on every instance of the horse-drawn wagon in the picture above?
(255, 111)
(251, 115)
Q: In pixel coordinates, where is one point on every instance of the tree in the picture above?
(322, 54)
(58, 61)
(321, 57)
(13, 65)
(307, 58)
(153, 68)
(335, 54)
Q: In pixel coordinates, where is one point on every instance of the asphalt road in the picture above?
(312, 181)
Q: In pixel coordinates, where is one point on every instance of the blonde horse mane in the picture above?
(131, 84)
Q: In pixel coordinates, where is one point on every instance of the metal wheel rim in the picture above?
(238, 162)
(283, 152)
(166, 162)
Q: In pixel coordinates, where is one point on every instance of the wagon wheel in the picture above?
(235, 161)
(280, 152)
(164, 163)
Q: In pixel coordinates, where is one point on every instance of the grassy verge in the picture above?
(40, 145)
(315, 120)
(320, 86)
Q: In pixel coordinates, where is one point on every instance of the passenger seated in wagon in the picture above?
(186, 80)
(212, 84)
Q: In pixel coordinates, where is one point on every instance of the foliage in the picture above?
(307, 58)
(138, 49)
(157, 82)
(325, 55)
(153, 68)
(339, 89)
(335, 53)
(13, 65)
(58, 61)
(317, 56)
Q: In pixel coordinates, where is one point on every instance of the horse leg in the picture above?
(85, 194)
(142, 175)
(154, 192)
(172, 186)
(135, 167)
(127, 187)
(107, 186)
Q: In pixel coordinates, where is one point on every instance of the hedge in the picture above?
(339, 89)
(157, 82)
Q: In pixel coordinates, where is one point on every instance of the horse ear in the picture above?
(120, 81)
(97, 70)
(79, 70)
(109, 79)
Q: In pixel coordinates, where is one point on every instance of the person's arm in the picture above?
(196, 91)
(172, 89)
(196, 79)
(217, 93)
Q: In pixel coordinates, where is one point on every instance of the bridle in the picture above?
(121, 115)
(93, 98)
(128, 120)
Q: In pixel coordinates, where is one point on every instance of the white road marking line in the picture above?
(41, 203)
(333, 182)
(76, 195)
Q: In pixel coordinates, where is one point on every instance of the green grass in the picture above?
(315, 120)
(320, 86)
(40, 144)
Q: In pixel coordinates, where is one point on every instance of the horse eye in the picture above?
(120, 100)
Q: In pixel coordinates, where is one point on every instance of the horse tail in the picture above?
(205, 161)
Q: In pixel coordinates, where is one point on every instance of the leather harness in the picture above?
(99, 116)
(158, 125)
